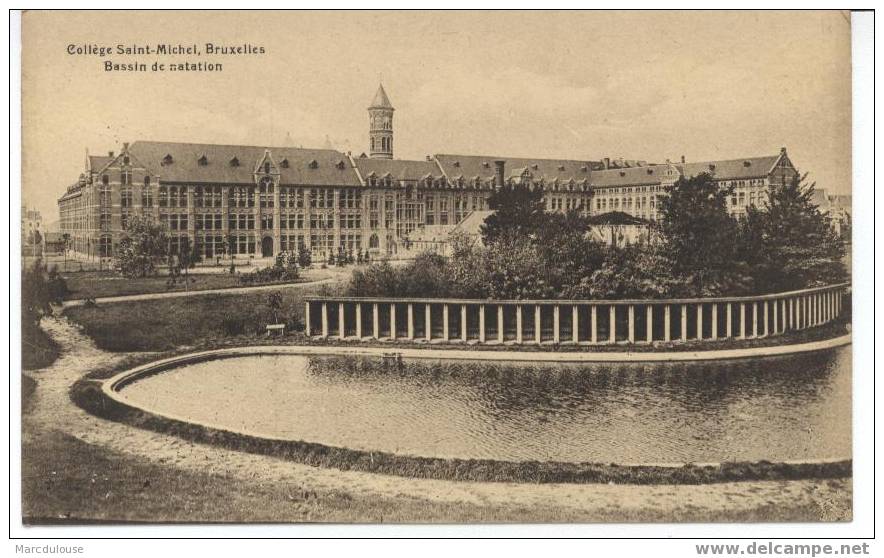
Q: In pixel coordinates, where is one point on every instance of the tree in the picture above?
(305, 257)
(699, 236)
(144, 245)
(567, 251)
(517, 209)
(789, 244)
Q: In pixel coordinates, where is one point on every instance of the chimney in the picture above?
(110, 153)
(783, 150)
(682, 159)
(125, 146)
(498, 172)
(607, 162)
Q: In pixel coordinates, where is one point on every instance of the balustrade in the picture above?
(575, 322)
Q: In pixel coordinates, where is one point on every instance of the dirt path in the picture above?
(53, 410)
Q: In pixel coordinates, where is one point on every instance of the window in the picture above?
(105, 179)
(126, 178)
(104, 246)
(126, 197)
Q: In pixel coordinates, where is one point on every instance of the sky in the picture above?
(579, 85)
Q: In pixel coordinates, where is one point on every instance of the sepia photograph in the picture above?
(436, 267)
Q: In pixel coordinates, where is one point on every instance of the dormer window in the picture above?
(650, 171)
(534, 166)
(167, 160)
(234, 162)
(340, 165)
(126, 160)
(622, 173)
(203, 161)
(561, 167)
(747, 163)
(266, 167)
(712, 167)
(313, 164)
(485, 164)
(284, 163)
(584, 168)
(457, 163)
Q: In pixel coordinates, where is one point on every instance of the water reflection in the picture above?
(774, 408)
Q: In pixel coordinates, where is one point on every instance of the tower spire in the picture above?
(380, 130)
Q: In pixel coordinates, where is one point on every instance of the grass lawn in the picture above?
(96, 284)
(67, 480)
(37, 349)
(164, 324)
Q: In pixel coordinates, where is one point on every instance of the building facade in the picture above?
(257, 201)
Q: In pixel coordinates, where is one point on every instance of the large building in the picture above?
(263, 200)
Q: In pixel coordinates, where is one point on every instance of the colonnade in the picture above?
(591, 322)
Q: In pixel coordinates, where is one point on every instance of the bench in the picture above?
(276, 327)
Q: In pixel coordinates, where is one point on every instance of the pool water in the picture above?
(782, 408)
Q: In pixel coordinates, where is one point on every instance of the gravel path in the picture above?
(53, 410)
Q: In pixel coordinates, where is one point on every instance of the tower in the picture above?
(380, 132)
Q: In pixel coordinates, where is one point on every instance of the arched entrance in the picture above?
(267, 247)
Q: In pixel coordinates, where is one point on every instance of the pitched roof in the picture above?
(629, 176)
(97, 163)
(733, 169)
(399, 169)
(472, 223)
(470, 166)
(381, 100)
(616, 218)
(320, 167)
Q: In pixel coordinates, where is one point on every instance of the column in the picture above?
(428, 323)
(537, 331)
(445, 322)
(375, 321)
(410, 321)
(765, 330)
(500, 328)
(359, 320)
(342, 330)
(324, 319)
(729, 315)
(556, 318)
(612, 313)
(714, 320)
(799, 302)
(593, 324)
(754, 319)
(575, 324)
(649, 323)
(667, 321)
(392, 321)
(463, 323)
(776, 319)
(700, 320)
(519, 324)
(684, 322)
(631, 330)
(789, 318)
(742, 320)
(481, 323)
(307, 319)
